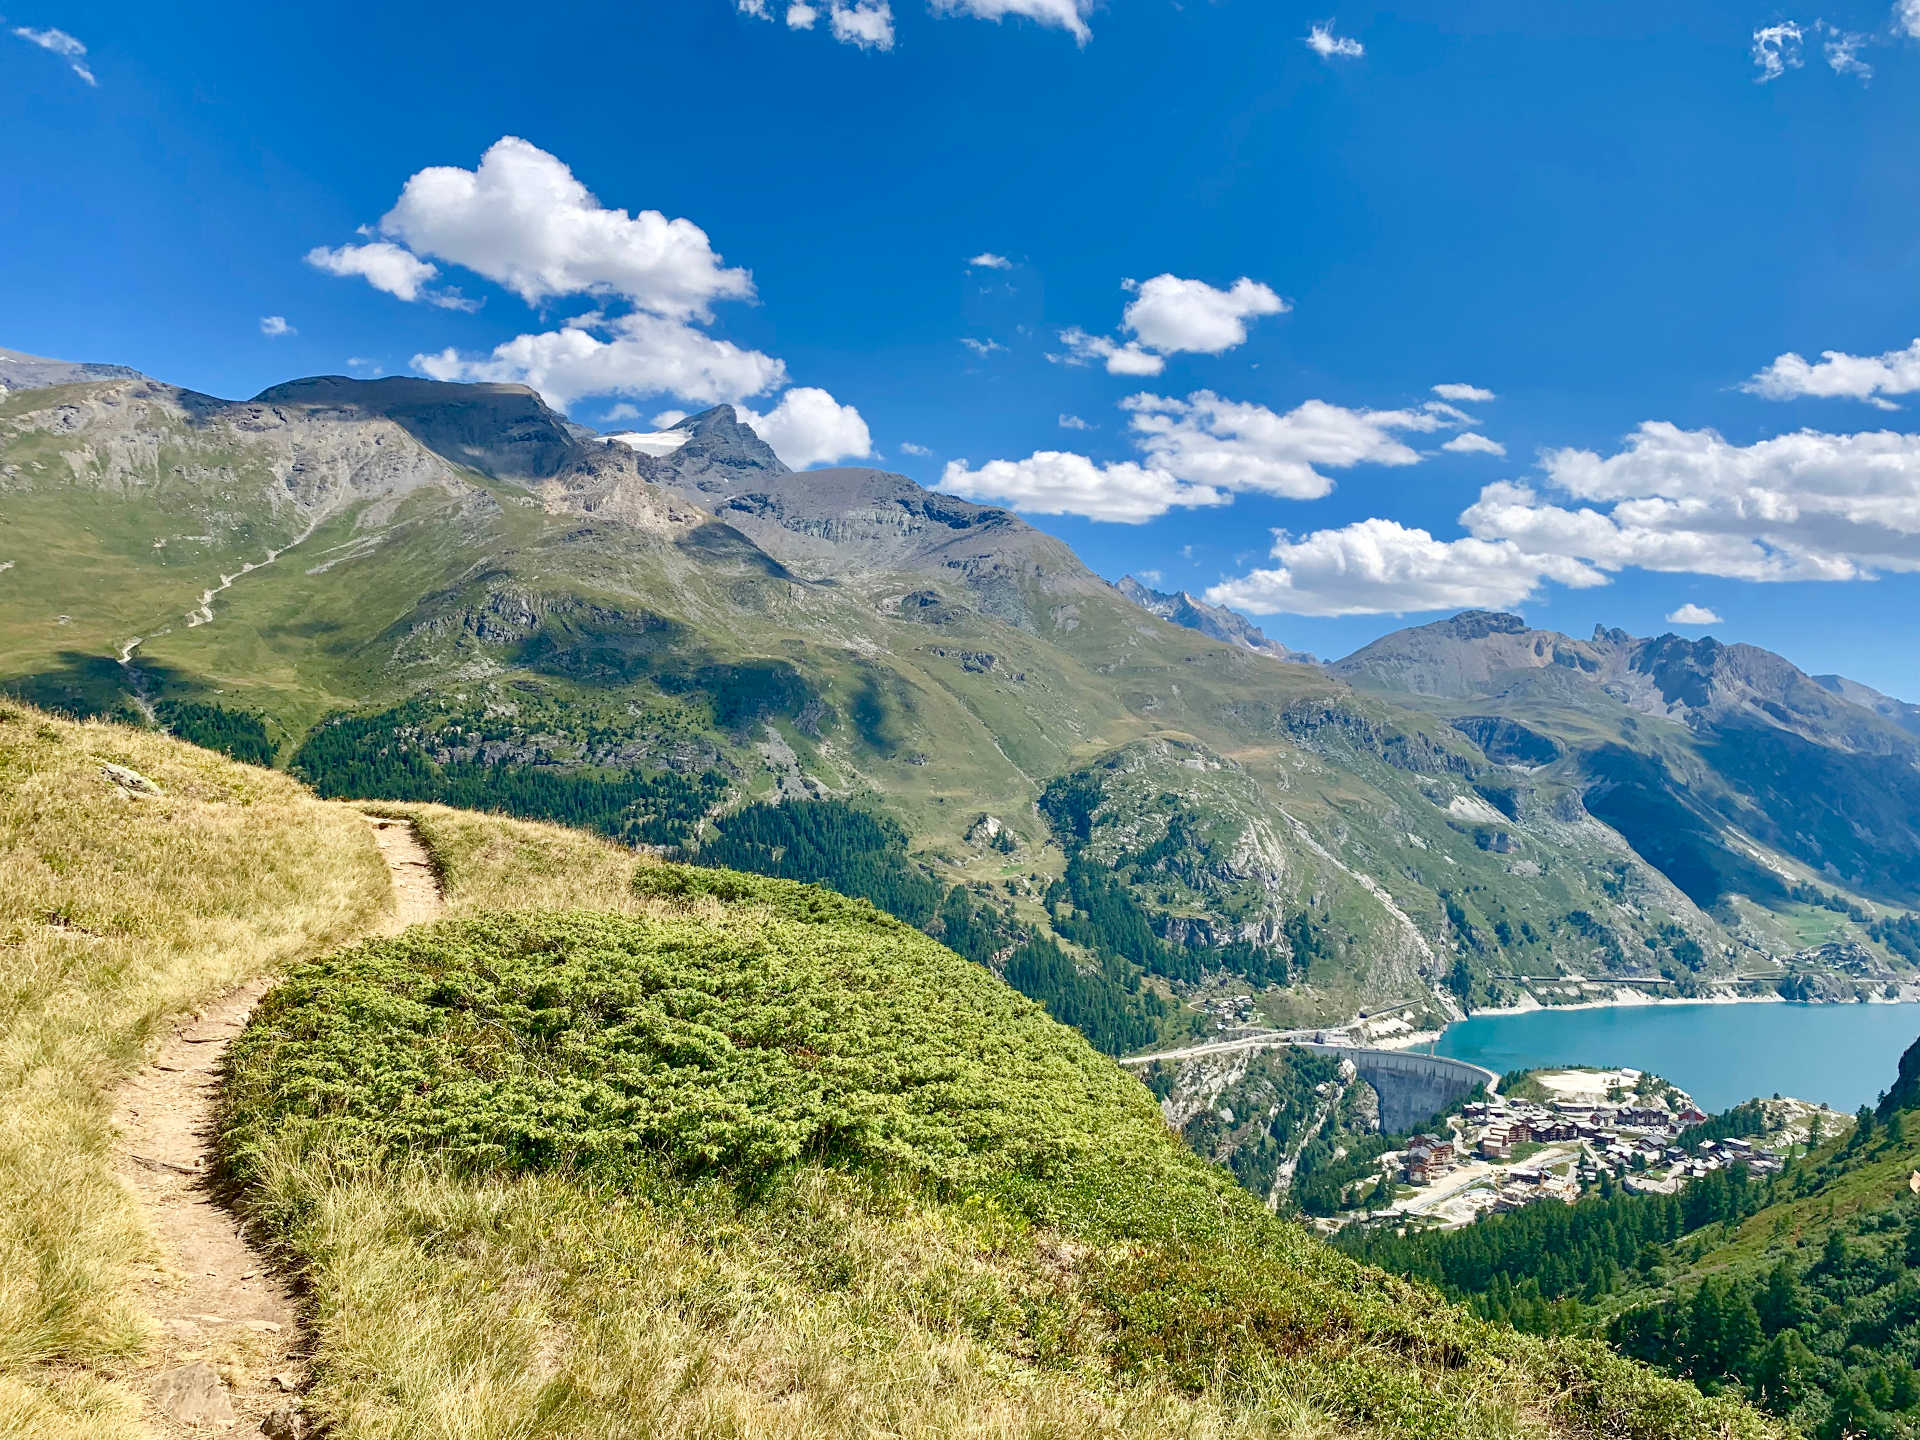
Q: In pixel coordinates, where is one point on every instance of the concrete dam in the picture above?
(1413, 1087)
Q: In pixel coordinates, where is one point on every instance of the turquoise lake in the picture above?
(1841, 1055)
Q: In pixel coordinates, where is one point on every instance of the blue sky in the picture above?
(1614, 222)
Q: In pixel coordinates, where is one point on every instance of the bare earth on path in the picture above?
(228, 1356)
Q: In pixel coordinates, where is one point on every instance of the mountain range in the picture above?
(452, 591)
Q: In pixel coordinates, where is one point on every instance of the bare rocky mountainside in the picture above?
(1137, 808)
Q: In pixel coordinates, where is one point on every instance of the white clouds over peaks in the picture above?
(1053, 482)
(1804, 506)
(809, 427)
(1837, 375)
(634, 355)
(382, 264)
(1329, 46)
(1691, 614)
(1210, 441)
(1776, 50)
(1068, 15)
(521, 219)
(1198, 452)
(1377, 567)
(59, 42)
(1170, 315)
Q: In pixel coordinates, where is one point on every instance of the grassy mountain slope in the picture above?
(469, 597)
(721, 1155)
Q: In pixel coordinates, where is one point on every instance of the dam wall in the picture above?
(1413, 1088)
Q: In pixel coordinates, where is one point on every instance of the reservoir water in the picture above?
(1841, 1055)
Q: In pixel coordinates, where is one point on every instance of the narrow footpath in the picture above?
(229, 1355)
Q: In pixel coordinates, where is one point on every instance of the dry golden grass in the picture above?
(117, 913)
(497, 1310)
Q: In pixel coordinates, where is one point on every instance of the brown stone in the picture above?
(193, 1395)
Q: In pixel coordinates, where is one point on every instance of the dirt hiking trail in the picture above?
(228, 1357)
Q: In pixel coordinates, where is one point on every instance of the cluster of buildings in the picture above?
(1635, 1141)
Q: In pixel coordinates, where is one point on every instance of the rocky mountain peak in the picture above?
(1477, 624)
(721, 454)
(506, 431)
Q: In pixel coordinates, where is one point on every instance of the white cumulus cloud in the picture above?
(1068, 15)
(1802, 506)
(1206, 440)
(801, 16)
(1329, 46)
(1053, 482)
(907, 447)
(866, 23)
(1776, 50)
(1127, 359)
(633, 355)
(809, 427)
(59, 42)
(987, 260)
(1200, 451)
(1837, 375)
(1465, 394)
(1691, 614)
(382, 264)
(1171, 315)
(524, 221)
(276, 325)
(1473, 444)
(1375, 567)
(1906, 18)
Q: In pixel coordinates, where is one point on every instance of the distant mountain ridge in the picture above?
(20, 371)
(407, 584)
(1481, 653)
(1216, 621)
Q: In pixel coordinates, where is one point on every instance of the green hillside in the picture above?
(660, 1149)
